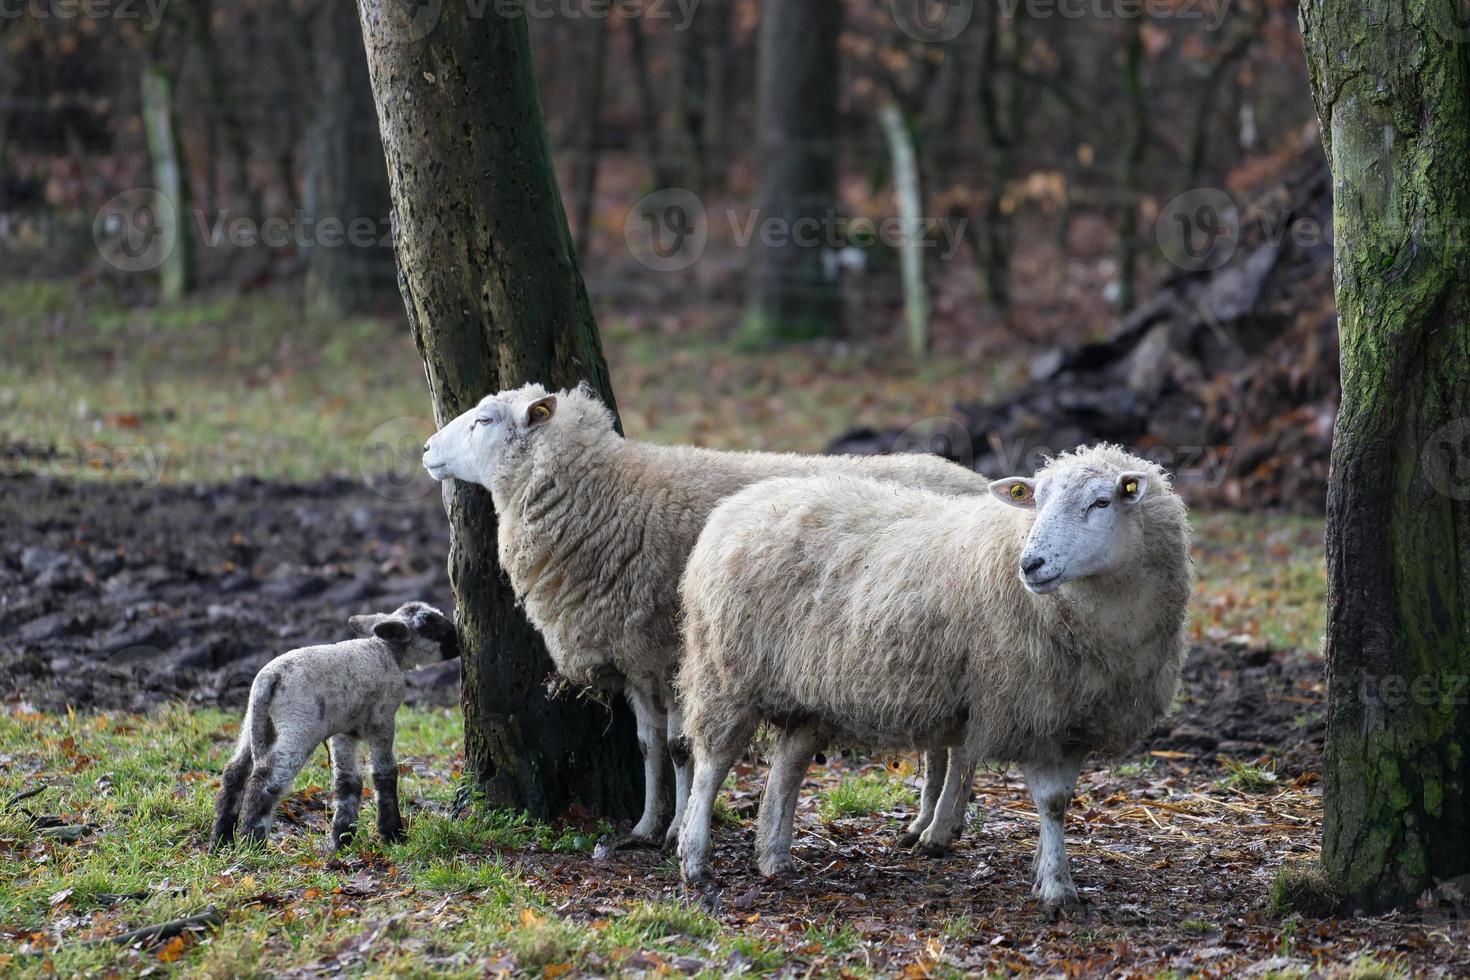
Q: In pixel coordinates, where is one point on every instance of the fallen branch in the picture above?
(163, 930)
(21, 797)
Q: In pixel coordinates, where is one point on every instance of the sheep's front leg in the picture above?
(935, 762)
(269, 780)
(227, 801)
(651, 734)
(790, 757)
(682, 756)
(346, 790)
(1052, 783)
(949, 807)
(385, 784)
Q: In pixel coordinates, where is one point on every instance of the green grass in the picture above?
(1248, 777)
(859, 796)
(448, 900)
(1262, 577)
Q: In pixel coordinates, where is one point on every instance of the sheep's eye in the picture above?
(477, 423)
(1100, 503)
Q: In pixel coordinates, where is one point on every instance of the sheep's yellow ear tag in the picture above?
(541, 411)
(1131, 487)
(1019, 491)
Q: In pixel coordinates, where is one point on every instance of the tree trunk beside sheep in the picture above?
(494, 299)
(1393, 89)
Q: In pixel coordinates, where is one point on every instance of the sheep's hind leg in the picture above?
(651, 735)
(949, 808)
(1052, 783)
(346, 790)
(269, 780)
(935, 766)
(385, 785)
(680, 753)
(790, 758)
(227, 801)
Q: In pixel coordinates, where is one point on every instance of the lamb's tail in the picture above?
(258, 733)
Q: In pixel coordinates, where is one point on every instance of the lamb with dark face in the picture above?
(342, 692)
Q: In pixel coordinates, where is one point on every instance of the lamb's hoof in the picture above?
(608, 846)
(778, 867)
(393, 835)
(909, 838)
(340, 842)
(703, 890)
(671, 840)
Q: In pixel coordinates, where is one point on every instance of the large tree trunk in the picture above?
(347, 197)
(790, 296)
(494, 299)
(1393, 90)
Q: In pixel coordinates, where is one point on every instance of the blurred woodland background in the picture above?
(1121, 211)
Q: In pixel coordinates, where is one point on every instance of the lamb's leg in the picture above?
(346, 790)
(385, 784)
(269, 779)
(711, 763)
(935, 763)
(651, 737)
(227, 800)
(1052, 783)
(949, 808)
(679, 751)
(790, 757)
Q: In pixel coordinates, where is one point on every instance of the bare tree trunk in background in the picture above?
(911, 213)
(1003, 106)
(648, 105)
(1131, 155)
(351, 263)
(1392, 87)
(690, 86)
(789, 295)
(224, 114)
(715, 27)
(178, 276)
(1209, 91)
(589, 134)
(494, 300)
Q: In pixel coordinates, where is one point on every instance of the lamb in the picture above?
(343, 692)
(594, 531)
(1036, 627)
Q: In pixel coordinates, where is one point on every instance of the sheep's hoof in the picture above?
(908, 839)
(671, 839)
(702, 889)
(609, 846)
(777, 867)
(1068, 907)
(394, 834)
(933, 849)
(341, 841)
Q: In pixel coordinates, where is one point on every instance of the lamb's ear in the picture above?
(540, 411)
(394, 631)
(365, 625)
(1131, 487)
(1016, 491)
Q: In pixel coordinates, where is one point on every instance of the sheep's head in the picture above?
(418, 633)
(1088, 516)
(476, 446)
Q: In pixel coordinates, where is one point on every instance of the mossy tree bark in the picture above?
(790, 296)
(494, 299)
(1393, 91)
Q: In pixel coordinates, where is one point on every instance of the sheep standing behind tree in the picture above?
(343, 692)
(1035, 628)
(594, 531)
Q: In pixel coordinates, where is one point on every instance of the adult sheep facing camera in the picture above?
(1037, 628)
(594, 532)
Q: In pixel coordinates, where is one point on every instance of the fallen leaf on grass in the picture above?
(172, 950)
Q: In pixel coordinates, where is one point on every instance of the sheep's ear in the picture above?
(1131, 487)
(364, 625)
(1016, 491)
(540, 411)
(394, 631)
